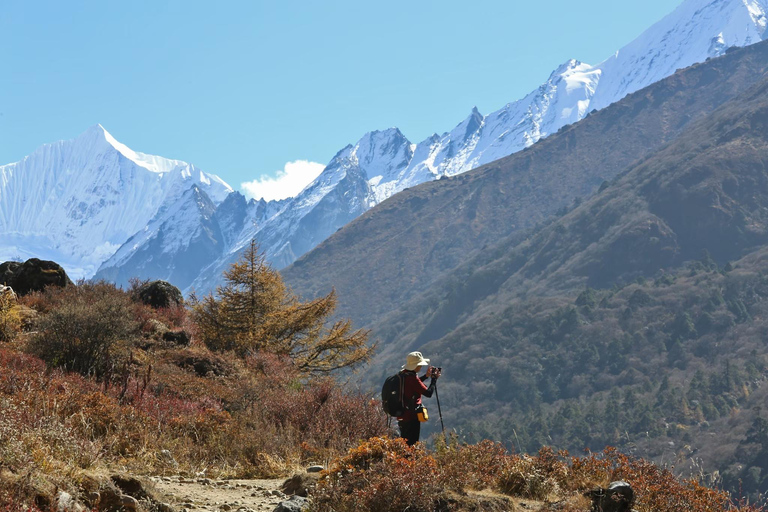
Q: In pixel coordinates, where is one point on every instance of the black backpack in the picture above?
(618, 497)
(392, 395)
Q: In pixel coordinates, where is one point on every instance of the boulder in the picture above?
(7, 271)
(295, 504)
(203, 364)
(130, 485)
(65, 502)
(112, 500)
(159, 294)
(33, 275)
(300, 484)
(129, 504)
(617, 497)
(180, 338)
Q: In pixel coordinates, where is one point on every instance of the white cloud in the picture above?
(286, 183)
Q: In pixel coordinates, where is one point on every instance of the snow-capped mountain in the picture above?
(695, 31)
(383, 163)
(342, 192)
(185, 238)
(77, 201)
(89, 213)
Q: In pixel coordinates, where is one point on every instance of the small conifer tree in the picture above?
(254, 311)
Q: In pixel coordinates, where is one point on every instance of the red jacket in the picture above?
(413, 390)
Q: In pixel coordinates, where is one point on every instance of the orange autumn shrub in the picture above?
(467, 466)
(380, 475)
(656, 489)
(384, 474)
(54, 417)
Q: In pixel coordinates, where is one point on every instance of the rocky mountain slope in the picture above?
(398, 248)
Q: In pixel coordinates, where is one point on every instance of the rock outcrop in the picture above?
(33, 275)
(159, 294)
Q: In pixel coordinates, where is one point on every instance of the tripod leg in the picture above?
(439, 411)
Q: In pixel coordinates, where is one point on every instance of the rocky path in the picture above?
(203, 494)
(212, 495)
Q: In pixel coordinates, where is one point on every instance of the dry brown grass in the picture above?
(385, 474)
(165, 409)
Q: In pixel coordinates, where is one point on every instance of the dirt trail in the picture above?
(204, 494)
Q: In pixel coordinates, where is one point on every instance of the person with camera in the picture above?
(413, 389)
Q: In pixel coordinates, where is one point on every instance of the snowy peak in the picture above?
(82, 198)
(152, 163)
(378, 146)
(693, 32)
(470, 125)
(97, 139)
(382, 155)
(95, 136)
(564, 68)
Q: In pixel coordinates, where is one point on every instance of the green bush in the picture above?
(90, 332)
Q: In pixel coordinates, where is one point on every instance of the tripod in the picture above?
(439, 411)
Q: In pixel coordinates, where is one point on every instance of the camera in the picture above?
(436, 371)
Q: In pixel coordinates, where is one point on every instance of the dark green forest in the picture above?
(658, 368)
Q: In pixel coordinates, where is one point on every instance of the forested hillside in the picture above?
(633, 317)
(636, 319)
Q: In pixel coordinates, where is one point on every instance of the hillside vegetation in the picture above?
(633, 317)
(95, 381)
(97, 388)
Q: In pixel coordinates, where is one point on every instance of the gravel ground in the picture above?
(203, 494)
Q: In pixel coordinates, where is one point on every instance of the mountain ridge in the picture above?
(383, 163)
(449, 220)
(572, 90)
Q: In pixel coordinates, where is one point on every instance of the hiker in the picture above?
(413, 390)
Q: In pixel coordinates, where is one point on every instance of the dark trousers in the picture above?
(410, 430)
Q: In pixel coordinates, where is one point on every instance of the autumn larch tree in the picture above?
(255, 311)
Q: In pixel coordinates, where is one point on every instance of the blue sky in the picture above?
(241, 88)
